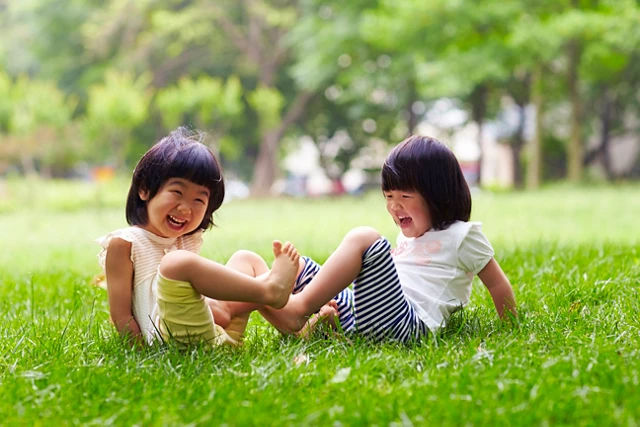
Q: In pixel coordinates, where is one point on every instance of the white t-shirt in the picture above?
(147, 250)
(437, 268)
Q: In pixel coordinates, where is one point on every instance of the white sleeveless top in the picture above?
(437, 268)
(147, 249)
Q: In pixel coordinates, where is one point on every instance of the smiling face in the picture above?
(410, 212)
(177, 208)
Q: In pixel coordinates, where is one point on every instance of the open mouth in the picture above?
(176, 222)
(404, 220)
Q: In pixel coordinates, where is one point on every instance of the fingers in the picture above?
(328, 311)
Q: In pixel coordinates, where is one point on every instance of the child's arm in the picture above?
(499, 287)
(119, 271)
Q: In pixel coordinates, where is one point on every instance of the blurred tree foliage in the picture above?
(99, 82)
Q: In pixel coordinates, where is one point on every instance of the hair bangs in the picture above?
(195, 163)
(397, 173)
(394, 178)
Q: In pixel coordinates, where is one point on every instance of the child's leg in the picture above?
(223, 283)
(234, 315)
(337, 273)
(245, 262)
(184, 317)
(237, 312)
(251, 264)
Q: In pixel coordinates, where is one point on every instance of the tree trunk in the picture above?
(575, 149)
(516, 147)
(601, 152)
(605, 119)
(519, 88)
(478, 111)
(480, 142)
(412, 121)
(265, 47)
(264, 173)
(28, 165)
(534, 166)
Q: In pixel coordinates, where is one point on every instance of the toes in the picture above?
(287, 248)
(277, 247)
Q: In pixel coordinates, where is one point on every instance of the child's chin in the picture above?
(412, 233)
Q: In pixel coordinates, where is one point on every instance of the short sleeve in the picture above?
(104, 241)
(474, 251)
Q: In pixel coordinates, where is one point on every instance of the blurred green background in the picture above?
(307, 97)
(524, 92)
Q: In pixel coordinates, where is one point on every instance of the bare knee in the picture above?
(245, 257)
(361, 237)
(176, 265)
(247, 262)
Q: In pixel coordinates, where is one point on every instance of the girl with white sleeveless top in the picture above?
(158, 286)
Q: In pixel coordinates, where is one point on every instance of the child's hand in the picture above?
(327, 314)
(330, 309)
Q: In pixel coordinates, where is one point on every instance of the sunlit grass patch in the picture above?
(571, 357)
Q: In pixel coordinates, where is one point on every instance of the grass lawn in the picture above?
(572, 254)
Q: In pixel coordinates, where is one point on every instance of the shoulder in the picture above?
(474, 232)
(118, 244)
(128, 234)
(474, 249)
(118, 256)
(465, 231)
(118, 249)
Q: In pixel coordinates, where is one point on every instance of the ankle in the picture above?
(298, 313)
(274, 296)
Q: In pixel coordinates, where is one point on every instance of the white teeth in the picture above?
(176, 220)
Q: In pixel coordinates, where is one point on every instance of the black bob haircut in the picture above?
(181, 154)
(427, 166)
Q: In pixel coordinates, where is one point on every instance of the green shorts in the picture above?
(184, 317)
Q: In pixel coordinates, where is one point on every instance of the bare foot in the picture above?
(282, 276)
(237, 326)
(290, 319)
(220, 311)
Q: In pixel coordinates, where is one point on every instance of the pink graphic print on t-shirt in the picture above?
(418, 252)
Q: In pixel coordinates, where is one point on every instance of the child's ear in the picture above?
(143, 194)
